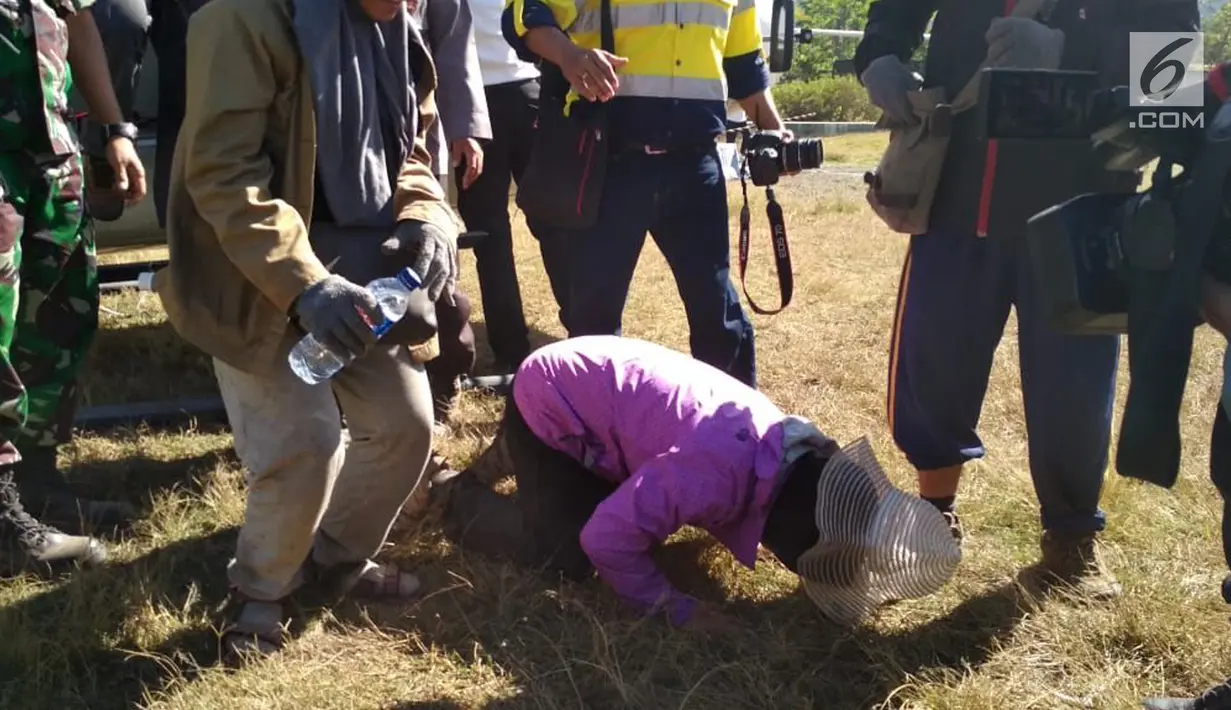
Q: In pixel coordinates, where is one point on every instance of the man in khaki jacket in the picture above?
(298, 177)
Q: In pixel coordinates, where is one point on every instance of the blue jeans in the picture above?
(680, 198)
(953, 302)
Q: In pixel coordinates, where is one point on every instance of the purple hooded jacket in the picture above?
(688, 444)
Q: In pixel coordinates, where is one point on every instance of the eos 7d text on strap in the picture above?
(782, 252)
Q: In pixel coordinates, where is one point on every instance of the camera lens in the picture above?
(802, 154)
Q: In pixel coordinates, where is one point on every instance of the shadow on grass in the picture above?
(68, 643)
(144, 362)
(573, 645)
(147, 476)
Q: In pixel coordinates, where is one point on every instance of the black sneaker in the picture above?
(39, 542)
(1215, 698)
(955, 526)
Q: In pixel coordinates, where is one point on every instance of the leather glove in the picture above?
(339, 314)
(431, 252)
(888, 82)
(1022, 43)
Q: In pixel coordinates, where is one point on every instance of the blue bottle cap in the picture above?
(409, 278)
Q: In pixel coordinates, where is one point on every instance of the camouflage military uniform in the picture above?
(48, 271)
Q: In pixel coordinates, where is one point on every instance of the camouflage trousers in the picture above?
(49, 299)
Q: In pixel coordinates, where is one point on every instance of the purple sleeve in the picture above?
(643, 512)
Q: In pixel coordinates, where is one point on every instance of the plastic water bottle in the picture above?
(314, 363)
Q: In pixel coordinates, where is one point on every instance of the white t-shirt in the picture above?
(497, 60)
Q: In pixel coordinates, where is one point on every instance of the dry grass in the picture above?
(856, 148)
(138, 632)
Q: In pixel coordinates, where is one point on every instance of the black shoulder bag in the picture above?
(563, 182)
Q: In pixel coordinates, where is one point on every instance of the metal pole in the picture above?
(109, 416)
(212, 410)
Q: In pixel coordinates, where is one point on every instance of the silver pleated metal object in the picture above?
(876, 542)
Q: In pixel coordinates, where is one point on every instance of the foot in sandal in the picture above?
(369, 580)
(254, 629)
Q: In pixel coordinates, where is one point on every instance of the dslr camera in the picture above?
(1129, 262)
(767, 156)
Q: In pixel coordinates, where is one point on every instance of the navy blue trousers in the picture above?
(681, 200)
(953, 302)
(1220, 474)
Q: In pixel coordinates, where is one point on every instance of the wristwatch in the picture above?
(121, 130)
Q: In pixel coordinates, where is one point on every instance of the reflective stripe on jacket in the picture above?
(703, 51)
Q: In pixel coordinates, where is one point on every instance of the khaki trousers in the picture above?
(309, 490)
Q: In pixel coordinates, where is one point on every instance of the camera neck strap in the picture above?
(782, 253)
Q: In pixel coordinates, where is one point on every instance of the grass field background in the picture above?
(139, 632)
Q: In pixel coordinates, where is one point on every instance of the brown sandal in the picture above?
(255, 629)
(370, 580)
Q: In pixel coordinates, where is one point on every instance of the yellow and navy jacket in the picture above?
(685, 59)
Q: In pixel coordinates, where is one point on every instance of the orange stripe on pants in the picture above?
(895, 344)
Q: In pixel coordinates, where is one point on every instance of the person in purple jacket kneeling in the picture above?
(615, 444)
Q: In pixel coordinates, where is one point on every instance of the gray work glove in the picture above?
(888, 82)
(1022, 43)
(339, 314)
(431, 252)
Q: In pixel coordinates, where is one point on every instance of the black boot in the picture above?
(36, 541)
(46, 492)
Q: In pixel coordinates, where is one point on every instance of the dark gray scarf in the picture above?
(366, 109)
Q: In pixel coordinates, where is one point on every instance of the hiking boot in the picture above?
(1073, 561)
(45, 491)
(1215, 698)
(39, 542)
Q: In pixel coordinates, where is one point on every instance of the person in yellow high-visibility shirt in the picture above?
(668, 80)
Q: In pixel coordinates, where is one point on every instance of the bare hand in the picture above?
(129, 172)
(468, 152)
(592, 73)
(788, 136)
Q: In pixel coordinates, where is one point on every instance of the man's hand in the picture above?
(467, 152)
(129, 172)
(339, 314)
(788, 136)
(592, 73)
(430, 252)
(889, 82)
(1021, 43)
